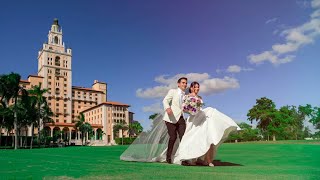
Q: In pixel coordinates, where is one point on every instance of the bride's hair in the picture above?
(193, 84)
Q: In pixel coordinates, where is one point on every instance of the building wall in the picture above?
(108, 115)
(67, 101)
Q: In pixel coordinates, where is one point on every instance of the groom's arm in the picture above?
(167, 100)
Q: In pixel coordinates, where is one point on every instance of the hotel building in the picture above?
(67, 101)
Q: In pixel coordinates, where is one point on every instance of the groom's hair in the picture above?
(179, 80)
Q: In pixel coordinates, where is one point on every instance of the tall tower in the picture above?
(54, 65)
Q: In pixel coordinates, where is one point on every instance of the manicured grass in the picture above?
(259, 160)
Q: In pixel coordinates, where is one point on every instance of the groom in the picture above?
(175, 122)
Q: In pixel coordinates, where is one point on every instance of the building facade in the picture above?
(67, 101)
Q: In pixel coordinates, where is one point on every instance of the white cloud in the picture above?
(284, 48)
(218, 85)
(303, 3)
(260, 58)
(173, 80)
(286, 59)
(219, 71)
(315, 14)
(271, 20)
(295, 38)
(153, 108)
(234, 69)
(155, 92)
(237, 69)
(208, 85)
(269, 56)
(315, 4)
(298, 37)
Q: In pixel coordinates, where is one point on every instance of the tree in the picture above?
(263, 112)
(10, 90)
(42, 108)
(83, 127)
(245, 134)
(315, 117)
(306, 132)
(120, 126)
(152, 116)
(135, 128)
(281, 119)
(33, 115)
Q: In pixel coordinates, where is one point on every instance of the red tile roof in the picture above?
(115, 103)
(86, 89)
(24, 81)
(35, 76)
(107, 103)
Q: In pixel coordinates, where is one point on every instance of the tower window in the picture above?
(56, 40)
(57, 61)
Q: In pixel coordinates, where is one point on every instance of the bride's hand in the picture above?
(169, 111)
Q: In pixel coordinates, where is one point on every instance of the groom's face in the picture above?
(183, 84)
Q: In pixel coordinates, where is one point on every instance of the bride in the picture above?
(205, 132)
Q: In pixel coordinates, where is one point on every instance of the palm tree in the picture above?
(83, 127)
(10, 89)
(2, 107)
(6, 114)
(123, 126)
(32, 116)
(135, 128)
(41, 103)
(4, 100)
(23, 111)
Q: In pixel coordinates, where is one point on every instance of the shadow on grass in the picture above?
(220, 163)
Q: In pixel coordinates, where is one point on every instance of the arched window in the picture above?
(56, 40)
(57, 61)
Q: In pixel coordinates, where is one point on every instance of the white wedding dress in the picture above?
(207, 127)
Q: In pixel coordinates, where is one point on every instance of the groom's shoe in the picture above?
(169, 161)
(185, 163)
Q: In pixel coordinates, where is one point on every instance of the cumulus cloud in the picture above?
(295, 38)
(153, 108)
(271, 20)
(271, 57)
(237, 69)
(315, 3)
(303, 3)
(315, 14)
(208, 85)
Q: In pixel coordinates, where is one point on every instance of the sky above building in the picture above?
(239, 51)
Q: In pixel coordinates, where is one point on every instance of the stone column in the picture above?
(29, 131)
(87, 135)
(70, 135)
(77, 135)
(61, 133)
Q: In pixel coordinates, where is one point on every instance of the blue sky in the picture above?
(238, 50)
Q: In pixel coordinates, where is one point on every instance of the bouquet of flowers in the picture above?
(192, 104)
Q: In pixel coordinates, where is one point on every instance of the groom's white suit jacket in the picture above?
(172, 100)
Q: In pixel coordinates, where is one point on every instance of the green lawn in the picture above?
(281, 160)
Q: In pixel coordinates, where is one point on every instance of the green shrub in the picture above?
(126, 140)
